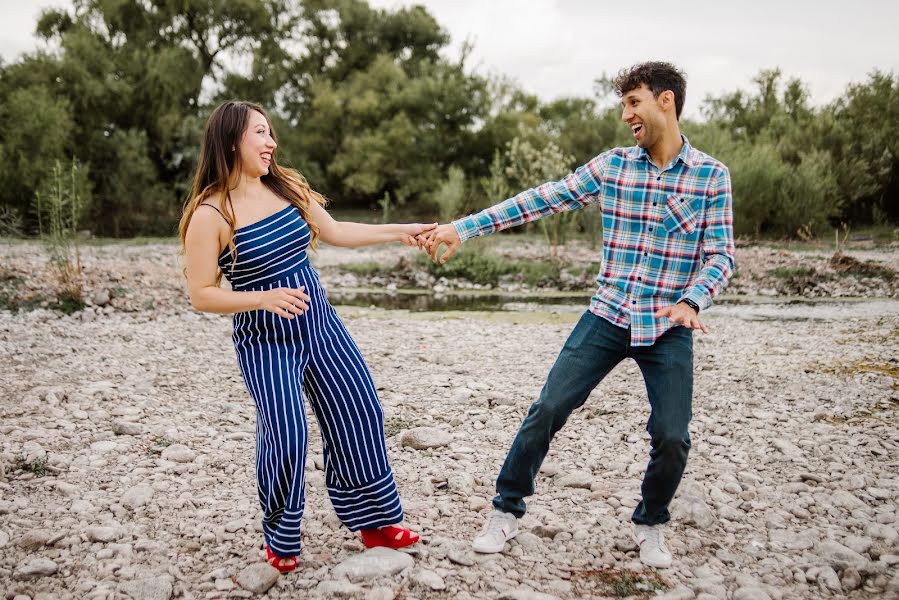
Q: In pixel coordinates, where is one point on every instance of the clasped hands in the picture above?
(431, 240)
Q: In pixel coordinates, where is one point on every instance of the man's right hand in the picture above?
(444, 234)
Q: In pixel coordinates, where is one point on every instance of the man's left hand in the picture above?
(682, 314)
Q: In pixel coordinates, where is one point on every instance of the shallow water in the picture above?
(749, 308)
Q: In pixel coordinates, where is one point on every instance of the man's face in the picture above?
(644, 115)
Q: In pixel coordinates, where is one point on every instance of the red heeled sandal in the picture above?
(390, 536)
(284, 564)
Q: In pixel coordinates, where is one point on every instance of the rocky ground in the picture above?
(127, 449)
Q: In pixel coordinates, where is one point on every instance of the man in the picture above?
(667, 251)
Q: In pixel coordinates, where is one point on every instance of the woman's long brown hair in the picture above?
(224, 130)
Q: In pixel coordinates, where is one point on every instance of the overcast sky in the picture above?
(557, 48)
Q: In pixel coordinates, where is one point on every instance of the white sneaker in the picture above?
(499, 529)
(653, 551)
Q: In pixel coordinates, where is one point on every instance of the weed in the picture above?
(474, 263)
(387, 207)
(479, 265)
(618, 583)
(60, 204)
(38, 466)
(367, 268)
(595, 413)
(7, 301)
(395, 425)
(538, 274)
(450, 196)
(68, 301)
(158, 444)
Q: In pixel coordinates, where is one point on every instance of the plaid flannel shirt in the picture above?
(667, 233)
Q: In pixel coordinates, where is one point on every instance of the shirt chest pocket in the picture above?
(681, 215)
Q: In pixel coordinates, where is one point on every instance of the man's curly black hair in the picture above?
(658, 77)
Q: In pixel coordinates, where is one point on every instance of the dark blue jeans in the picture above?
(593, 349)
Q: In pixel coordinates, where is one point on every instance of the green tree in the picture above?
(862, 135)
(38, 132)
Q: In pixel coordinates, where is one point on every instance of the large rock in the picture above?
(461, 395)
(730, 513)
(785, 539)
(883, 532)
(858, 543)
(422, 438)
(789, 449)
(32, 451)
(35, 568)
(828, 579)
(376, 562)
(692, 510)
(462, 483)
(104, 447)
(179, 453)
(575, 479)
(103, 534)
(846, 499)
(751, 593)
(460, 554)
(137, 496)
(851, 579)
(101, 297)
(893, 585)
(258, 577)
(839, 556)
(149, 588)
(34, 540)
(127, 428)
(338, 589)
(429, 579)
(528, 540)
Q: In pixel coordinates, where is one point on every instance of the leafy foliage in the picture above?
(369, 108)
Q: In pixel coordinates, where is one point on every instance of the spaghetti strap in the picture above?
(215, 209)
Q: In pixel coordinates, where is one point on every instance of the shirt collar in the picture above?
(686, 155)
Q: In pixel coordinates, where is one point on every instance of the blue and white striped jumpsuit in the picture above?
(313, 355)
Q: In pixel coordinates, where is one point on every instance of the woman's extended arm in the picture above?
(353, 235)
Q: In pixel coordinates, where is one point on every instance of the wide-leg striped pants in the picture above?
(313, 355)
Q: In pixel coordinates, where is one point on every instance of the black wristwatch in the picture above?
(691, 304)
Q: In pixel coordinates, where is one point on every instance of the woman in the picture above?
(253, 220)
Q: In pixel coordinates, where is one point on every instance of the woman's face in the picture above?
(256, 146)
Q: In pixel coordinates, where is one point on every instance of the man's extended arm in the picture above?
(577, 189)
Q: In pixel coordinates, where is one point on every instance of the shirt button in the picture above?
(650, 228)
(645, 254)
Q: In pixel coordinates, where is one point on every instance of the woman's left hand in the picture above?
(410, 230)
